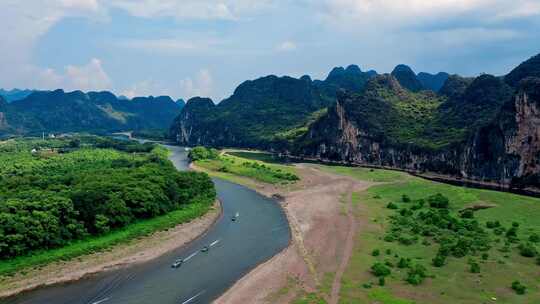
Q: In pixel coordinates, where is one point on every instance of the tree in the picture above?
(380, 270)
(438, 201)
(518, 287)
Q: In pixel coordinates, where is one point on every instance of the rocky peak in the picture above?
(529, 68)
(407, 78)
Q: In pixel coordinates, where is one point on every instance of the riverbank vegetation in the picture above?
(63, 198)
(229, 165)
(427, 242)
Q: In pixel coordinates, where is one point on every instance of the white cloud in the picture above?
(190, 9)
(391, 13)
(202, 85)
(88, 77)
(81, 4)
(287, 46)
(24, 22)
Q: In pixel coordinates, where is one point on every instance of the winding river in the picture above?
(260, 232)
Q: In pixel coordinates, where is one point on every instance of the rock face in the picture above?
(504, 151)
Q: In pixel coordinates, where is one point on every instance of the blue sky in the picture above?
(186, 48)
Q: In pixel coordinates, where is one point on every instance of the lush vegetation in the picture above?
(267, 111)
(426, 242)
(98, 112)
(63, 192)
(228, 165)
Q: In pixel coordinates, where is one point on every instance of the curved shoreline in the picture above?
(137, 251)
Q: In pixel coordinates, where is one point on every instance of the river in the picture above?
(260, 232)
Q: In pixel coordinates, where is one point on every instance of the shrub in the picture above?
(404, 263)
(392, 206)
(485, 256)
(512, 232)
(439, 260)
(494, 224)
(202, 153)
(380, 270)
(405, 198)
(475, 268)
(438, 201)
(376, 252)
(518, 287)
(468, 214)
(515, 224)
(388, 251)
(416, 275)
(527, 250)
(382, 281)
(534, 238)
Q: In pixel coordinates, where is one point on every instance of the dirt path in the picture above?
(321, 245)
(137, 251)
(347, 252)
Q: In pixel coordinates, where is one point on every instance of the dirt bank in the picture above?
(136, 251)
(318, 212)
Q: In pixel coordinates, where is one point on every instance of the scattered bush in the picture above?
(392, 206)
(375, 252)
(475, 267)
(492, 225)
(439, 260)
(527, 250)
(534, 238)
(405, 198)
(468, 214)
(416, 275)
(382, 281)
(438, 201)
(518, 287)
(380, 270)
(404, 263)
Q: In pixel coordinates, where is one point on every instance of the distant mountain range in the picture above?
(484, 129)
(59, 111)
(15, 94)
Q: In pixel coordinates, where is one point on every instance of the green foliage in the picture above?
(376, 252)
(438, 201)
(49, 200)
(405, 198)
(475, 267)
(380, 270)
(202, 153)
(416, 274)
(439, 260)
(261, 171)
(527, 250)
(518, 287)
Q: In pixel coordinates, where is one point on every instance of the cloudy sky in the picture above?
(186, 48)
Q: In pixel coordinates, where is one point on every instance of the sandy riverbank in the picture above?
(323, 233)
(136, 251)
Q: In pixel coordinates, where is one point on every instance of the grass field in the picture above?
(452, 283)
(232, 165)
(100, 243)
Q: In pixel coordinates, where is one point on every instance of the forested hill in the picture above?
(272, 111)
(59, 111)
